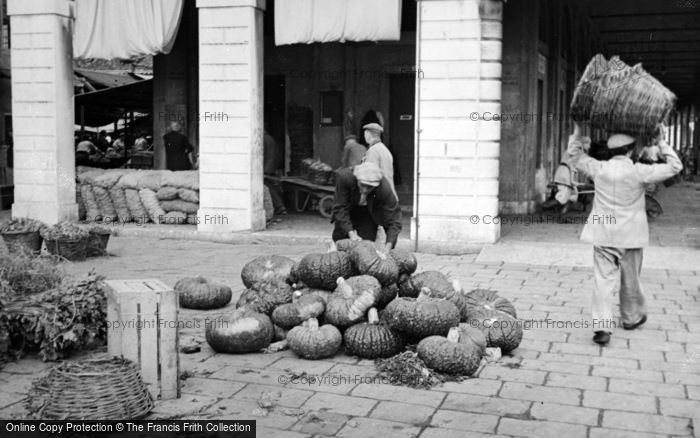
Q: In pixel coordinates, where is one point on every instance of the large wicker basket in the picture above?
(91, 390)
(74, 250)
(97, 244)
(19, 242)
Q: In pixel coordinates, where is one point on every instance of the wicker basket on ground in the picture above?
(615, 97)
(66, 240)
(91, 390)
(22, 235)
(97, 243)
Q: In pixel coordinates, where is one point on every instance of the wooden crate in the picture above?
(143, 320)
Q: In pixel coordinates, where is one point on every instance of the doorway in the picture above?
(402, 122)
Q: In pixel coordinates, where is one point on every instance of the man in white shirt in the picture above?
(378, 153)
(617, 226)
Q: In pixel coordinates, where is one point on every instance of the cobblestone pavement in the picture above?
(557, 383)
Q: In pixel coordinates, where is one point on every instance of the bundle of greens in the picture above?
(27, 275)
(57, 322)
(407, 369)
(64, 231)
(21, 225)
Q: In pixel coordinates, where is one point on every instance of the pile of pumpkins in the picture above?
(359, 295)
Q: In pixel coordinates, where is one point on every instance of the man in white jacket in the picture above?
(617, 226)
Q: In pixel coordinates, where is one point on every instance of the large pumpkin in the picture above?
(449, 355)
(301, 308)
(345, 308)
(271, 268)
(375, 261)
(454, 295)
(421, 317)
(478, 299)
(310, 341)
(360, 283)
(500, 329)
(265, 297)
(373, 339)
(436, 281)
(406, 261)
(322, 270)
(472, 335)
(243, 332)
(200, 293)
(346, 245)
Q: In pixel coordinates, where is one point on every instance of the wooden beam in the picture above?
(621, 7)
(632, 36)
(648, 23)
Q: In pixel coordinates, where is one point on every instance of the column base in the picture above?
(219, 220)
(455, 236)
(48, 213)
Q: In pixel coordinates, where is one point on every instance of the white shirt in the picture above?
(379, 154)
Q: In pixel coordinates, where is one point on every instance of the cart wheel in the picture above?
(325, 206)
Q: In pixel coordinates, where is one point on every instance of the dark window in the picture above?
(5, 27)
(331, 108)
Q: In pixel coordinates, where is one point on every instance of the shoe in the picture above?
(601, 338)
(634, 326)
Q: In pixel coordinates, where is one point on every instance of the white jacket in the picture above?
(618, 218)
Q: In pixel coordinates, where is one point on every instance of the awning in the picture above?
(105, 106)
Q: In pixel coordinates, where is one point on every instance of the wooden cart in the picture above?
(305, 191)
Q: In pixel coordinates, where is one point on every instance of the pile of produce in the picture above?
(374, 303)
(27, 275)
(317, 172)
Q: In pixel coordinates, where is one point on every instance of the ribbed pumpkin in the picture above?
(454, 295)
(469, 334)
(449, 355)
(358, 284)
(369, 259)
(266, 269)
(421, 317)
(310, 341)
(200, 293)
(264, 297)
(386, 295)
(406, 260)
(346, 245)
(500, 329)
(345, 308)
(322, 270)
(373, 339)
(490, 300)
(301, 308)
(243, 332)
(321, 293)
(436, 281)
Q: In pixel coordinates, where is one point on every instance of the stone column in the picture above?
(231, 115)
(457, 148)
(42, 109)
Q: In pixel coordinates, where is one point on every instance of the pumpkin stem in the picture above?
(313, 323)
(332, 247)
(457, 286)
(297, 294)
(361, 304)
(373, 316)
(453, 334)
(344, 287)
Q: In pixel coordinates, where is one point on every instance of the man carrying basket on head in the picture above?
(617, 226)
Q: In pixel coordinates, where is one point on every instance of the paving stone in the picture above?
(538, 393)
(644, 346)
(210, 387)
(478, 386)
(684, 378)
(249, 375)
(656, 365)
(297, 365)
(624, 373)
(636, 353)
(625, 402)
(530, 344)
(342, 404)
(646, 388)
(693, 392)
(542, 365)
(576, 381)
(233, 409)
(603, 432)
(540, 429)
(465, 421)
(564, 413)
(414, 415)
(614, 362)
(184, 406)
(320, 423)
(485, 405)
(372, 427)
(400, 394)
(439, 432)
(290, 397)
(646, 423)
(496, 372)
(674, 407)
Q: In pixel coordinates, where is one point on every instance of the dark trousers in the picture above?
(363, 224)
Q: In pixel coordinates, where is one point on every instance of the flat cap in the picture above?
(375, 127)
(619, 140)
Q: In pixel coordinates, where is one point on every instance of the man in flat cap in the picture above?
(617, 226)
(364, 201)
(378, 153)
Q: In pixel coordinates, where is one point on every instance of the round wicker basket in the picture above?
(97, 244)
(19, 242)
(74, 250)
(91, 390)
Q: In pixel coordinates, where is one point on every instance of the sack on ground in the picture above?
(150, 203)
(186, 179)
(167, 193)
(136, 208)
(92, 210)
(179, 205)
(120, 205)
(189, 195)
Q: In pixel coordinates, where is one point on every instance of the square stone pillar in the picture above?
(457, 150)
(42, 109)
(231, 115)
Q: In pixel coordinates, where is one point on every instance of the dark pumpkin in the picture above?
(345, 308)
(268, 269)
(310, 341)
(200, 293)
(373, 339)
(243, 332)
(322, 270)
(346, 245)
(500, 329)
(386, 295)
(301, 308)
(421, 317)
(406, 261)
(454, 295)
(489, 300)
(436, 281)
(265, 297)
(370, 259)
(449, 355)
(280, 333)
